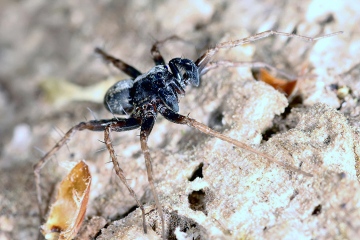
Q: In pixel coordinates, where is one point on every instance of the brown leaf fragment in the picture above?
(283, 85)
(68, 210)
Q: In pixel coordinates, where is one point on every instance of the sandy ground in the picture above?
(50, 79)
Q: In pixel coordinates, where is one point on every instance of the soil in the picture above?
(50, 79)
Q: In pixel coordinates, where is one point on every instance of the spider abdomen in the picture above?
(118, 99)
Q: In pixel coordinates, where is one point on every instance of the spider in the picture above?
(143, 96)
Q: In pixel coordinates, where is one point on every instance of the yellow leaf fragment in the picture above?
(68, 210)
(60, 92)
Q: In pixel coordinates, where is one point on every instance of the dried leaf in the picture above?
(60, 92)
(68, 210)
(282, 85)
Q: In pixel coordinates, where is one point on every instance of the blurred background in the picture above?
(50, 80)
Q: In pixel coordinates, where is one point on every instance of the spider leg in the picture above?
(94, 125)
(120, 172)
(146, 127)
(155, 52)
(202, 61)
(181, 119)
(121, 65)
(229, 64)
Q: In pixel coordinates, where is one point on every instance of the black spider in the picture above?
(143, 96)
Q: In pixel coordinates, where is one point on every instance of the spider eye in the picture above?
(159, 75)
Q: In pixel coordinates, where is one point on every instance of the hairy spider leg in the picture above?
(147, 124)
(202, 61)
(120, 172)
(155, 53)
(117, 125)
(181, 119)
(230, 64)
(124, 67)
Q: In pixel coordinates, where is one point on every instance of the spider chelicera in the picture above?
(143, 96)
